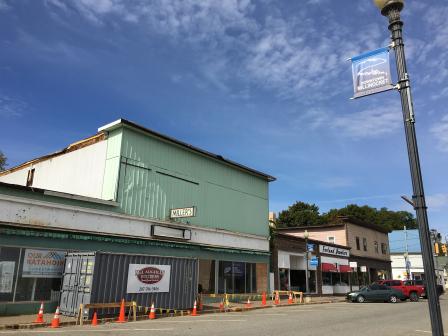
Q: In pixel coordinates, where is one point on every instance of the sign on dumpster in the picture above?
(371, 73)
(43, 264)
(148, 278)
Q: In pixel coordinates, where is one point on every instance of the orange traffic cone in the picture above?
(121, 316)
(221, 306)
(94, 319)
(263, 299)
(277, 299)
(40, 314)
(248, 304)
(152, 312)
(290, 298)
(55, 322)
(194, 312)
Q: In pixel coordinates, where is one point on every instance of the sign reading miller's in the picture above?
(183, 212)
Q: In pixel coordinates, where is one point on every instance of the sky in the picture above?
(265, 83)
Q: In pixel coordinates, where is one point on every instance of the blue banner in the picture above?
(371, 73)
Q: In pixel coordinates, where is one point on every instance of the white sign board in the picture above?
(364, 269)
(353, 264)
(148, 278)
(6, 276)
(334, 250)
(43, 264)
(183, 212)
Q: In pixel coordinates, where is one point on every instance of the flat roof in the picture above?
(120, 122)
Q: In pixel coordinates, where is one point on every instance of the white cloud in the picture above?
(440, 132)
(336, 182)
(292, 56)
(371, 122)
(4, 5)
(11, 106)
(437, 201)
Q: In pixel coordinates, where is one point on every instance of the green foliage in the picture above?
(299, 214)
(3, 160)
(304, 214)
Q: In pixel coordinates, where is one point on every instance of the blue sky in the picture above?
(265, 83)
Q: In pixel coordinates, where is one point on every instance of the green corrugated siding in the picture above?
(156, 176)
(112, 165)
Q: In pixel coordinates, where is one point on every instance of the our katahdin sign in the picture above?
(183, 212)
(334, 251)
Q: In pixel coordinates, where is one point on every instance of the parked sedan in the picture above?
(376, 292)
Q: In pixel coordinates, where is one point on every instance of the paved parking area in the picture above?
(405, 318)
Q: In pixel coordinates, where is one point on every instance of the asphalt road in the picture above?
(404, 318)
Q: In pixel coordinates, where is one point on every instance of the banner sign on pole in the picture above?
(148, 278)
(371, 73)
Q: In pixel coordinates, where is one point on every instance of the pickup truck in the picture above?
(410, 291)
(439, 288)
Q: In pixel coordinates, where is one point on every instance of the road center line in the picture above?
(427, 332)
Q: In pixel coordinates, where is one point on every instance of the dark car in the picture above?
(376, 292)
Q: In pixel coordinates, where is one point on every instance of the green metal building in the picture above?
(129, 189)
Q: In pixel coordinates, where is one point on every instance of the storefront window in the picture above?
(206, 276)
(284, 278)
(236, 277)
(30, 274)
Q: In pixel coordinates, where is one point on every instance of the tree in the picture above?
(391, 220)
(3, 160)
(299, 214)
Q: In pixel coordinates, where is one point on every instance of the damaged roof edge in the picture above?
(118, 123)
(70, 148)
(59, 194)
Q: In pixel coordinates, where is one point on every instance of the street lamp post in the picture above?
(391, 9)
(406, 262)
(306, 235)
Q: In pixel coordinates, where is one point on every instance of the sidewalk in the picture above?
(26, 321)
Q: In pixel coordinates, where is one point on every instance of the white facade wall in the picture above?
(33, 213)
(79, 172)
(399, 266)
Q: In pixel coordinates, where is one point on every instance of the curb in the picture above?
(144, 316)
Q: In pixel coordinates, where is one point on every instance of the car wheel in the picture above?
(361, 299)
(413, 297)
(393, 299)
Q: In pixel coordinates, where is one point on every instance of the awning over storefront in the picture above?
(327, 267)
(345, 269)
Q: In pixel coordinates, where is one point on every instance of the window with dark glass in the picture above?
(358, 247)
(383, 248)
(364, 243)
(236, 277)
(376, 247)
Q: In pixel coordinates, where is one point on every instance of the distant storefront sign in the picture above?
(310, 247)
(363, 269)
(353, 264)
(334, 251)
(371, 72)
(43, 264)
(314, 261)
(148, 278)
(183, 212)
